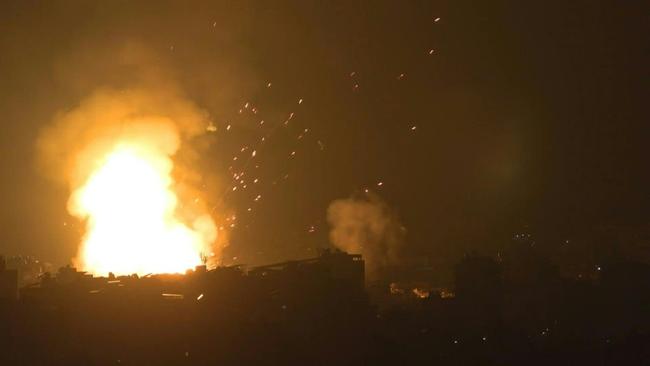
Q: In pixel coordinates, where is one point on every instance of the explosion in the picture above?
(129, 206)
(118, 159)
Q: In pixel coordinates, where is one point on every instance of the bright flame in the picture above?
(129, 207)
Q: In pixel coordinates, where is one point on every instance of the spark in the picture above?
(228, 128)
(431, 51)
(254, 153)
(300, 101)
(268, 85)
(199, 297)
(436, 20)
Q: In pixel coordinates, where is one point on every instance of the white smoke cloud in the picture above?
(367, 226)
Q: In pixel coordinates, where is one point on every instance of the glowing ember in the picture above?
(130, 207)
(421, 293)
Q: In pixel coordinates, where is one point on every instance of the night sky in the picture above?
(528, 117)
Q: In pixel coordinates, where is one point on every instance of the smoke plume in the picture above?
(366, 225)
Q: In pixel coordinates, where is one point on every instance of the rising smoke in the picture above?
(366, 225)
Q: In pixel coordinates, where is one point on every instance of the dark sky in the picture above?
(528, 116)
